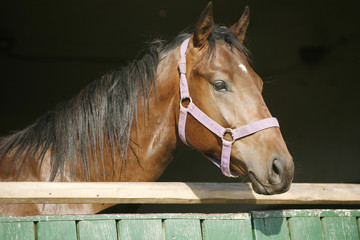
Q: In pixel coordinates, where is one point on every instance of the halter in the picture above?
(210, 124)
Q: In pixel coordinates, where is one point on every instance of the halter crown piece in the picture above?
(210, 124)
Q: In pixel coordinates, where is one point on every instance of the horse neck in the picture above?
(153, 134)
(152, 141)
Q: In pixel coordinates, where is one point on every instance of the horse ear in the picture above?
(204, 27)
(239, 28)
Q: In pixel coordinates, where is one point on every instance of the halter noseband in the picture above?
(210, 124)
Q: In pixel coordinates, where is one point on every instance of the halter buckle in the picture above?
(228, 135)
(189, 99)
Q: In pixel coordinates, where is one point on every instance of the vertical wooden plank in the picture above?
(185, 229)
(305, 228)
(150, 229)
(271, 228)
(339, 228)
(57, 230)
(17, 231)
(97, 230)
(230, 229)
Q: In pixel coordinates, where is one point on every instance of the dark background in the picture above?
(307, 53)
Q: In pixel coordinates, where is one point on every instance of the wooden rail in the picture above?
(173, 193)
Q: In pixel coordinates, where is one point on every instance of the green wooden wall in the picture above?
(289, 224)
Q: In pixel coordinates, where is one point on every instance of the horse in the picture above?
(197, 90)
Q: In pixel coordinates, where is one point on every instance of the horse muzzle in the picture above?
(277, 179)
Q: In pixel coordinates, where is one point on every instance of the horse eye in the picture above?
(220, 86)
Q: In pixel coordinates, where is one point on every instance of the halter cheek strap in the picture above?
(210, 124)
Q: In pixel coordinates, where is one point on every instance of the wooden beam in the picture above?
(173, 193)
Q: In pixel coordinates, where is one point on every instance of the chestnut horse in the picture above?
(124, 127)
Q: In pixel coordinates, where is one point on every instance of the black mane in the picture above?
(104, 110)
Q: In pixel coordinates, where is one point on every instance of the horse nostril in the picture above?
(276, 171)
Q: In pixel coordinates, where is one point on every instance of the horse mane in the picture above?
(103, 112)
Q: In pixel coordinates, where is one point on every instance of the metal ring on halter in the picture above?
(186, 98)
(229, 130)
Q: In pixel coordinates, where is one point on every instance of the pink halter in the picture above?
(214, 127)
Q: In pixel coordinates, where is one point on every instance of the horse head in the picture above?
(224, 87)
